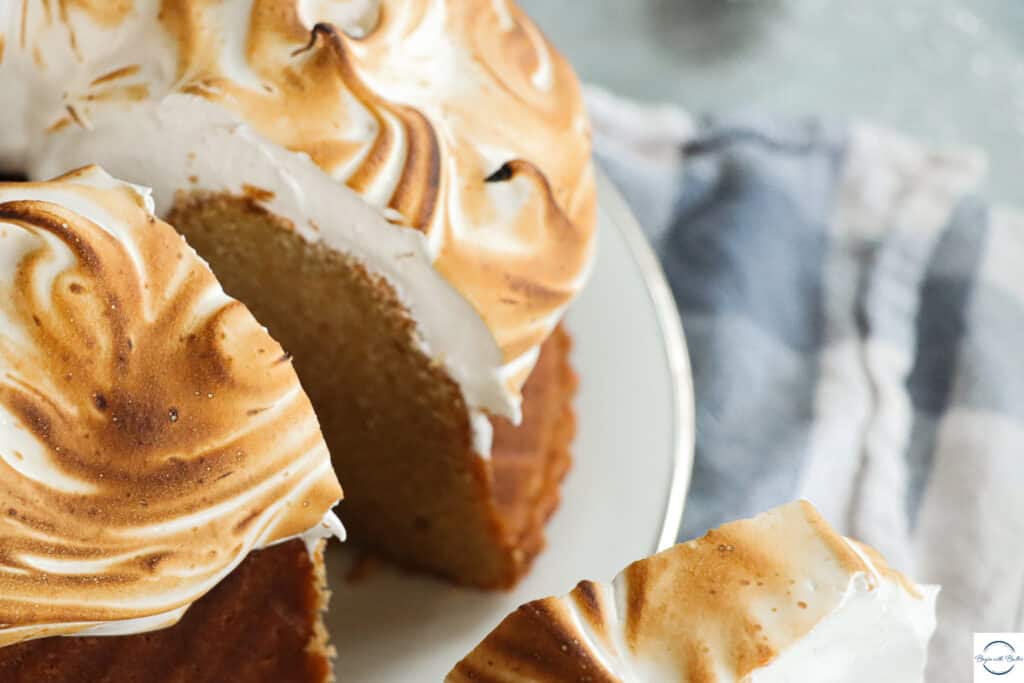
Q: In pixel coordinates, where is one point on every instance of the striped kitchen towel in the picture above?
(855, 317)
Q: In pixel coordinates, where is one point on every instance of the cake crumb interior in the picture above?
(395, 422)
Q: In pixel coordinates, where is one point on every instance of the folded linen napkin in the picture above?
(855, 318)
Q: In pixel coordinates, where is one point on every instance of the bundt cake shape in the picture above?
(152, 438)
(781, 597)
(401, 190)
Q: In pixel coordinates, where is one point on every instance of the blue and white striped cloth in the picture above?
(855, 316)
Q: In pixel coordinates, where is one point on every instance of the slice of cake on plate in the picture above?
(781, 597)
(165, 486)
(401, 190)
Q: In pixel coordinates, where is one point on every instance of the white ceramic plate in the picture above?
(622, 500)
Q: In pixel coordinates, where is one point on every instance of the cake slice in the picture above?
(166, 489)
(401, 190)
(780, 597)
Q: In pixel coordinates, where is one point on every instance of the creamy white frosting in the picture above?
(151, 432)
(878, 632)
(780, 598)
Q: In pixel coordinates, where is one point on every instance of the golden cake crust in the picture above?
(259, 625)
(530, 460)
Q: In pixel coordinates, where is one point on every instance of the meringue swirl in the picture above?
(417, 115)
(151, 431)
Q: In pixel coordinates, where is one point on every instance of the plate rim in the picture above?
(676, 354)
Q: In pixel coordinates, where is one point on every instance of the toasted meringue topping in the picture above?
(151, 431)
(455, 116)
(778, 598)
(452, 117)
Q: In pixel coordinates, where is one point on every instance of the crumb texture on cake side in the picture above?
(402, 442)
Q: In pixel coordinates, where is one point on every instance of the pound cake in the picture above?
(401, 190)
(779, 598)
(164, 483)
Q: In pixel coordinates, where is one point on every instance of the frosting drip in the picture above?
(151, 431)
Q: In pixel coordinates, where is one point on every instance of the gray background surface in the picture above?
(946, 71)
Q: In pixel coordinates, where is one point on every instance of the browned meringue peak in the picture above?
(416, 115)
(780, 597)
(151, 431)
